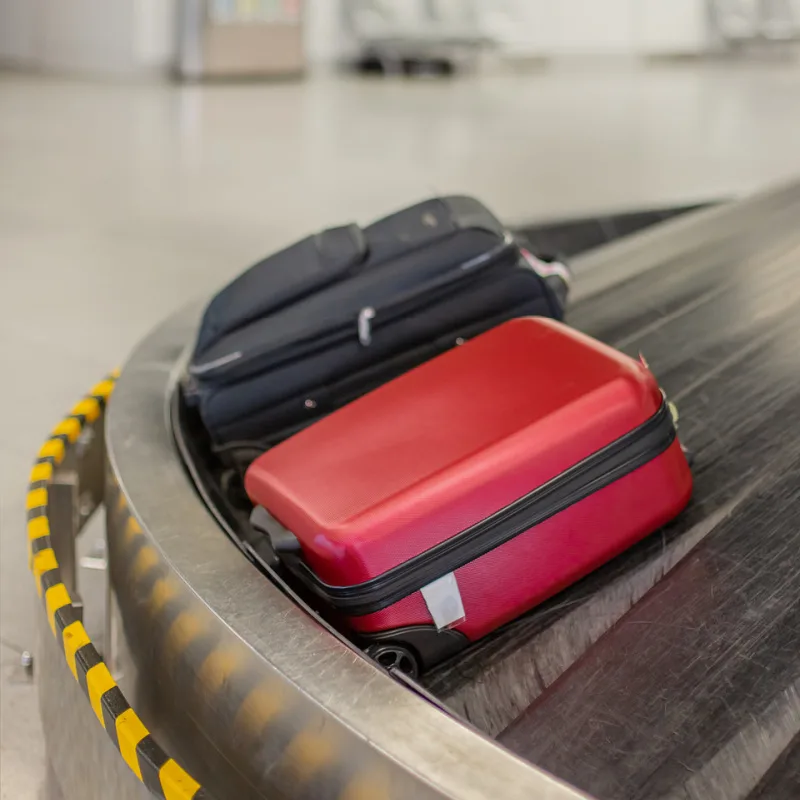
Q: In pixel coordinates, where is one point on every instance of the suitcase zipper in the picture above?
(239, 365)
(505, 254)
(616, 460)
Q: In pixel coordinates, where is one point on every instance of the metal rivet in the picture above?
(310, 403)
(26, 662)
(459, 341)
(86, 505)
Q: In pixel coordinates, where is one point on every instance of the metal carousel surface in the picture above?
(671, 672)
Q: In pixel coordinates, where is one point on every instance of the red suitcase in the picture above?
(458, 496)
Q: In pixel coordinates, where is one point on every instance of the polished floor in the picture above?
(119, 202)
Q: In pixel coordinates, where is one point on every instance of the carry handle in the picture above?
(286, 548)
(283, 541)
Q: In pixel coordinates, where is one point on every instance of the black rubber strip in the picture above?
(63, 438)
(32, 487)
(151, 758)
(86, 658)
(114, 704)
(65, 616)
(79, 418)
(50, 578)
(35, 513)
(51, 460)
(42, 543)
(193, 656)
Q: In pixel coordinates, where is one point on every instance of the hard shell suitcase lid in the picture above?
(441, 448)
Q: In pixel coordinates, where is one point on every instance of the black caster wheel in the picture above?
(395, 656)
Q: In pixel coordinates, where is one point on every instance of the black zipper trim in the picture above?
(506, 254)
(618, 459)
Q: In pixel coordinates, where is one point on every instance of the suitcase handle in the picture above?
(282, 540)
(286, 548)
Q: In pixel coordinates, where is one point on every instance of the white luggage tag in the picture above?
(443, 599)
(546, 269)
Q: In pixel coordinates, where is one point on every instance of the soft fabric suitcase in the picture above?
(453, 499)
(335, 315)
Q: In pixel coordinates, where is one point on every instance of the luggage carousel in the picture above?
(673, 672)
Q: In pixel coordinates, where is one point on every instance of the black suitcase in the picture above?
(335, 315)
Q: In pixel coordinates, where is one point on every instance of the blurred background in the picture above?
(150, 149)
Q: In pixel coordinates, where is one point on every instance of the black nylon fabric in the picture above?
(273, 375)
(278, 398)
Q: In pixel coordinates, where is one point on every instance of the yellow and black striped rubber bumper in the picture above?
(163, 776)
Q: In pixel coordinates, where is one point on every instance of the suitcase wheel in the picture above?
(395, 656)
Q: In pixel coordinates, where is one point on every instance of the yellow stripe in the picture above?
(56, 597)
(102, 389)
(367, 786)
(98, 682)
(75, 637)
(41, 472)
(260, 706)
(36, 498)
(145, 560)
(122, 501)
(183, 631)
(43, 561)
(217, 668)
(54, 448)
(130, 731)
(163, 591)
(176, 783)
(38, 527)
(132, 529)
(310, 752)
(88, 408)
(69, 427)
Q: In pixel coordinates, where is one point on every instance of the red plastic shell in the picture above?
(448, 444)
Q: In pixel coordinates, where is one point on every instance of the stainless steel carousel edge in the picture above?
(252, 694)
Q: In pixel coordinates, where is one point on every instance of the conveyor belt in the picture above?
(669, 673)
(568, 238)
(694, 692)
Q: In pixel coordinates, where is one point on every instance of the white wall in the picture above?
(552, 28)
(326, 38)
(156, 36)
(95, 36)
(86, 35)
(17, 28)
(588, 26)
(128, 35)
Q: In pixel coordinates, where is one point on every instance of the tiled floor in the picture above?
(120, 202)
